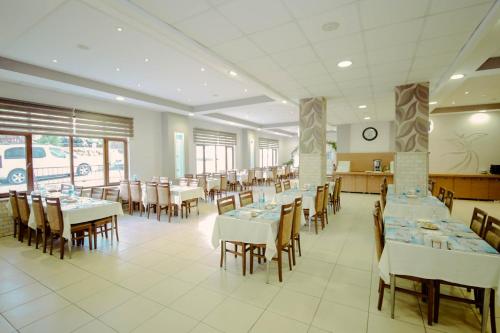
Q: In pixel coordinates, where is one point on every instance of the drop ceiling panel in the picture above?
(340, 48)
(281, 38)
(383, 12)
(173, 10)
(394, 34)
(301, 8)
(445, 44)
(240, 49)
(392, 53)
(264, 114)
(297, 56)
(438, 6)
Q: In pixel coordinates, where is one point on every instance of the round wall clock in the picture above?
(370, 133)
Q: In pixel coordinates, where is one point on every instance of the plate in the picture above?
(428, 226)
(411, 196)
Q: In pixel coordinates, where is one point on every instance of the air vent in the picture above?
(490, 63)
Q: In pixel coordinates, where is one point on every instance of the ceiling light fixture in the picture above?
(467, 92)
(117, 69)
(205, 84)
(457, 76)
(55, 61)
(146, 59)
(362, 106)
(344, 63)
(191, 114)
(119, 29)
(120, 98)
(233, 73)
(202, 69)
(245, 90)
(433, 103)
(284, 102)
(367, 118)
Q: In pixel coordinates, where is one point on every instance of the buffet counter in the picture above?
(465, 186)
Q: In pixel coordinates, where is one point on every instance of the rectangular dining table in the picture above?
(427, 243)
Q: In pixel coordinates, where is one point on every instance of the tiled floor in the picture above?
(165, 277)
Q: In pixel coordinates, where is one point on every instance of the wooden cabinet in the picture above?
(494, 188)
(360, 183)
(373, 184)
(479, 188)
(363, 182)
(347, 183)
(461, 186)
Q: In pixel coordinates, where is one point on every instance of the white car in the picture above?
(50, 162)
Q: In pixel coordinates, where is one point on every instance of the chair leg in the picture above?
(94, 229)
(251, 258)
(298, 243)
(61, 246)
(45, 232)
(37, 238)
(289, 252)
(15, 228)
(293, 251)
(381, 287)
(244, 258)
(280, 269)
(492, 312)
(116, 228)
(316, 223)
(29, 236)
(51, 243)
(221, 253)
(89, 231)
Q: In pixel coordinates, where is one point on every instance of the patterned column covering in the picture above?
(412, 117)
(412, 138)
(312, 141)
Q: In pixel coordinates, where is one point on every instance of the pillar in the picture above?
(412, 137)
(312, 141)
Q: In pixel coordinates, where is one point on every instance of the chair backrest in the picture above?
(231, 176)
(193, 182)
(164, 197)
(383, 195)
(163, 179)
(226, 204)
(259, 174)
(297, 216)
(251, 175)
(13, 204)
(24, 208)
(325, 196)
(378, 210)
(286, 225)
(37, 207)
(441, 194)
(278, 188)
(223, 183)
(188, 175)
(286, 185)
(183, 181)
(246, 198)
(379, 237)
(430, 186)
(125, 190)
(155, 179)
(112, 194)
(318, 205)
(135, 191)
(478, 221)
(96, 193)
(78, 191)
(151, 193)
(54, 215)
(85, 192)
(492, 232)
(336, 189)
(340, 184)
(448, 200)
(66, 187)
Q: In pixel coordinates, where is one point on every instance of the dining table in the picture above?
(422, 240)
(179, 193)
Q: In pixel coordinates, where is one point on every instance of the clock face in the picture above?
(370, 133)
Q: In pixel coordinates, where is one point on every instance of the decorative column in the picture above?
(412, 137)
(312, 141)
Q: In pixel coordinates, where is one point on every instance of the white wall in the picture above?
(145, 153)
(350, 138)
(458, 144)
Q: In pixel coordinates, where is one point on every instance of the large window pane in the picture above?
(51, 160)
(221, 158)
(116, 161)
(12, 163)
(88, 163)
(210, 159)
(230, 158)
(199, 159)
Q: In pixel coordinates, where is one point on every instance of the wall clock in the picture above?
(370, 133)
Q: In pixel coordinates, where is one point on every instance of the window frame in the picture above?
(226, 148)
(274, 157)
(29, 157)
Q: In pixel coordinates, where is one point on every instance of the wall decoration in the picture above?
(370, 133)
(466, 158)
(312, 125)
(412, 117)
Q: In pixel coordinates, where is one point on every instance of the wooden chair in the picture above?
(188, 175)
(97, 193)
(441, 194)
(283, 242)
(42, 228)
(163, 179)
(102, 226)
(232, 180)
(55, 221)
(24, 216)
(16, 218)
(246, 198)
(183, 181)
(379, 245)
(151, 197)
(135, 197)
(78, 191)
(202, 182)
(165, 202)
(286, 185)
(250, 179)
(383, 196)
(492, 232)
(225, 205)
(85, 192)
(222, 188)
(259, 176)
(430, 186)
(278, 187)
(478, 221)
(297, 219)
(336, 195)
(190, 203)
(325, 202)
(448, 200)
(66, 187)
(318, 205)
(125, 193)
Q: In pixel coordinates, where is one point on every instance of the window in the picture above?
(214, 150)
(268, 152)
(55, 145)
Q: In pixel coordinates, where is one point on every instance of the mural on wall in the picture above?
(312, 125)
(465, 158)
(412, 117)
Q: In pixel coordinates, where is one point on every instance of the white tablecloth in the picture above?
(179, 193)
(213, 183)
(295, 183)
(308, 199)
(427, 207)
(84, 210)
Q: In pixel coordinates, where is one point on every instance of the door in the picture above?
(179, 154)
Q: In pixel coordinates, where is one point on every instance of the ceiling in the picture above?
(177, 55)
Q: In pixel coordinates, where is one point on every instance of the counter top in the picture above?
(365, 173)
(465, 175)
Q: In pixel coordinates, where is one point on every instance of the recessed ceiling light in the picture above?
(55, 61)
(117, 69)
(367, 118)
(146, 59)
(205, 84)
(138, 85)
(457, 76)
(330, 26)
(119, 29)
(245, 90)
(467, 92)
(258, 129)
(344, 63)
(202, 69)
(120, 98)
(178, 89)
(233, 73)
(362, 106)
(433, 103)
(190, 114)
(284, 102)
